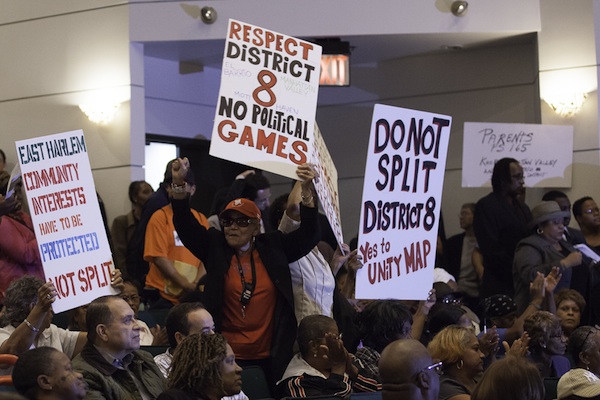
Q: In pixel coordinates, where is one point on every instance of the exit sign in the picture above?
(335, 70)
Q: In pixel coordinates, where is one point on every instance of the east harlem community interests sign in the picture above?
(267, 102)
(66, 217)
(401, 203)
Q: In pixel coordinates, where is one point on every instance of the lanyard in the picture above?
(247, 288)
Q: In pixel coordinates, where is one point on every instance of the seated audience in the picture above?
(380, 323)
(27, 319)
(111, 362)
(323, 366)
(458, 349)
(547, 344)
(569, 306)
(408, 372)
(123, 226)
(155, 336)
(543, 250)
(500, 311)
(248, 286)
(512, 378)
(46, 373)
(183, 320)
(19, 253)
(203, 367)
(583, 381)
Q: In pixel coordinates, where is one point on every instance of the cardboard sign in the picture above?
(402, 198)
(327, 185)
(544, 151)
(66, 217)
(267, 101)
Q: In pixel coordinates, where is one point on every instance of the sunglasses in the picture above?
(242, 222)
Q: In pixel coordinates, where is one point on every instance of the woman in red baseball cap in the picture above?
(248, 287)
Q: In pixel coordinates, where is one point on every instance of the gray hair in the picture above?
(20, 295)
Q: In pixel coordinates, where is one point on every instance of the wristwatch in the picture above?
(179, 188)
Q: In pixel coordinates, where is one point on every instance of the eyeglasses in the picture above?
(437, 368)
(592, 211)
(241, 222)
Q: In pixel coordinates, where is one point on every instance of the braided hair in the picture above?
(196, 363)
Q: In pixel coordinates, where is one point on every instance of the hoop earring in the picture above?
(539, 231)
(460, 364)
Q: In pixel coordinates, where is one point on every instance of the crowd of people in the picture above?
(512, 313)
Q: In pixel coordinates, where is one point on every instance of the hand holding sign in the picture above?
(307, 174)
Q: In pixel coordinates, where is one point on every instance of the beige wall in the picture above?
(55, 53)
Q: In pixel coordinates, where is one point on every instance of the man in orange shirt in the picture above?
(174, 270)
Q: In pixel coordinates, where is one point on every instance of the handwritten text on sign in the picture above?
(544, 151)
(401, 203)
(267, 100)
(68, 225)
(327, 185)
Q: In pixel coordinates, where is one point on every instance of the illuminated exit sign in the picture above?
(335, 70)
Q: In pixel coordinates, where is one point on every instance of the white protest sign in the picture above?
(544, 151)
(402, 198)
(326, 185)
(267, 101)
(66, 217)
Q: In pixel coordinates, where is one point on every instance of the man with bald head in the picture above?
(408, 372)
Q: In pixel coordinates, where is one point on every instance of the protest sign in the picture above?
(326, 185)
(402, 198)
(267, 100)
(544, 151)
(68, 226)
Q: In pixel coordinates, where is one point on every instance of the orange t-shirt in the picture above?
(162, 241)
(250, 336)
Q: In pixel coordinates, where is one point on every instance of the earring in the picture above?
(539, 231)
(460, 364)
(315, 355)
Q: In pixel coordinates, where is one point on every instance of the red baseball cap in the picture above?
(244, 206)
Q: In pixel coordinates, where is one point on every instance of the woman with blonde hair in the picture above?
(462, 361)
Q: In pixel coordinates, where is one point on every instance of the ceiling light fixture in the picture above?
(459, 8)
(101, 113)
(566, 104)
